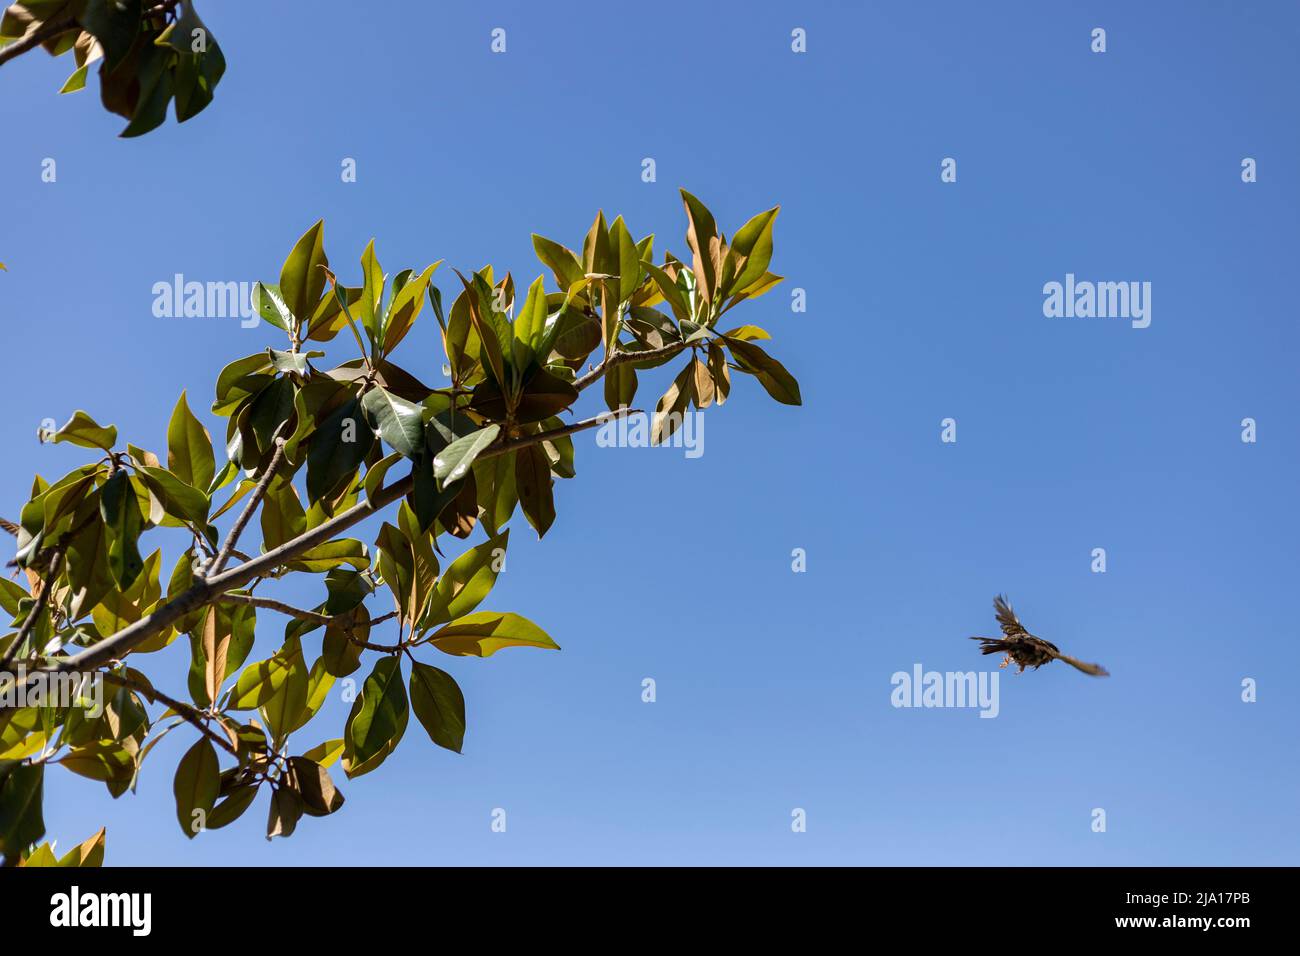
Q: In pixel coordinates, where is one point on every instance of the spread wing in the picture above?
(1096, 670)
(1011, 625)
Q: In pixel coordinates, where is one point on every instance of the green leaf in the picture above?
(451, 464)
(332, 554)
(269, 303)
(439, 705)
(629, 261)
(336, 449)
(467, 581)
(326, 753)
(374, 479)
(773, 376)
(478, 297)
(530, 326)
(196, 786)
(121, 513)
(292, 361)
(189, 447)
(282, 516)
(486, 632)
(107, 761)
(83, 430)
(319, 682)
(751, 250)
(302, 281)
(620, 386)
(88, 572)
(282, 712)
(670, 291)
(178, 498)
(405, 308)
(232, 807)
(372, 292)
(88, 853)
(21, 793)
(377, 720)
(533, 484)
(261, 681)
(398, 421)
(747, 333)
(559, 259)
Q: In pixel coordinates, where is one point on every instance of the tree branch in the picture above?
(183, 710)
(51, 29)
(249, 508)
(273, 605)
(205, 591)
(29, 623)
(620, 358)
(46, 31)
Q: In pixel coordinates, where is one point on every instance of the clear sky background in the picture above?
(924, 302)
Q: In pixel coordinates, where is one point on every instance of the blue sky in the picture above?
(924, 303)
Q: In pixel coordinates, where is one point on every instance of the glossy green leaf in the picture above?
(21, 795)
(439, 705)
(533, 484)
(261, 681)
(467, 581)
(302, 281)
(751, 249)
(269, 304)
(451, 464)
(83, 430)
(189, 447)
(378, 719)
(196, 786)
(121, 514)
(399, 422)
(484, 633)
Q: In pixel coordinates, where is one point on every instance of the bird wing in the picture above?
(1011, 625)
(1096, 670)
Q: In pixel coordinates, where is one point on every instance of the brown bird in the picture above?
(1023, 648)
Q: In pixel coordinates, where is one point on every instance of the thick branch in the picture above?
(204, 592)
(620, 358)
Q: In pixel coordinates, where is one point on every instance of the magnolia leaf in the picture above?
(83, 430)
(196, 786)
(450, 464)
(486, 632)
(439, 705)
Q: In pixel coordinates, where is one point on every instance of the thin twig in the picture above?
(250, 507)
(29, 623)
(272, 605)
(183, 710)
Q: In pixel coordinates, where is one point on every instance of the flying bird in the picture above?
(1024, 648)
